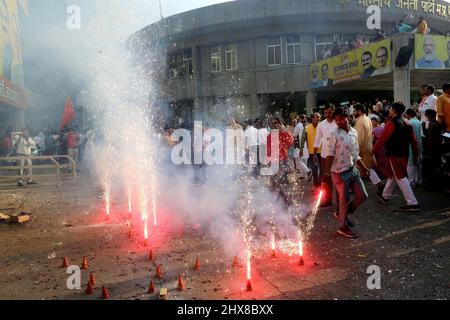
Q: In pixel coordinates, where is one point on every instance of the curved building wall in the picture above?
(254, 31)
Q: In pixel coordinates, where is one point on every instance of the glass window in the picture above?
(323, 44)
(293, 50)
(216, 59)
(274, 51)
(348, 37)
(180, 64)
(231, 57)
(187, 62)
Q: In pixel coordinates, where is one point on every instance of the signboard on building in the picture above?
(11, 65)
(363, 63)
(432, 52)
(418, 7)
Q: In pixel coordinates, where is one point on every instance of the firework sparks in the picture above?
(312, 217)
(129, 228)
(300, 248)
(249, 270)
(319, 200)
(273, 246)
(301, 262)
(130, 208)
(145, 230)
(249, 265)
(155, 218)
(107, 201)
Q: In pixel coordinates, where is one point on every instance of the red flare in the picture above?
(105, 293)
(151, 287)
(85, 263)
(197, 264)
(249, 285)
(151, 256)
(92, 279)
(65, 262)
(235, 262)
(274, 246)
(301, 262)
(159, 273)
(180, 283)
(89, 288)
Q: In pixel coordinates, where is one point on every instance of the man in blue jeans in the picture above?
(342, 158)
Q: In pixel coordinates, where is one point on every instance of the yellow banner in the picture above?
(363, 63)
(432, 52)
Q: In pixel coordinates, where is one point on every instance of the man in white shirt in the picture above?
(200, 147)
(238, 136)
(23, 146)
(323, 130)
(298, 133)
(342, 157)
(251, 146)
(429, 101)
(263, 133)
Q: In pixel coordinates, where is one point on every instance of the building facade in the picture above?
(246, 58)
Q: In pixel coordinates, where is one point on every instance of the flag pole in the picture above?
(160, 10)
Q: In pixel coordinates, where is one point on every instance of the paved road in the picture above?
(411, 250)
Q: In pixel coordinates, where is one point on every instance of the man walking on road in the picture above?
(397, 138)
(342, 158)
(323, 130)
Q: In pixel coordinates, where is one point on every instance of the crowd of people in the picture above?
(340, 47)
(68, 141)
(385, 143)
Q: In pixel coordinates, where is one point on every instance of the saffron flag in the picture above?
(69, 113)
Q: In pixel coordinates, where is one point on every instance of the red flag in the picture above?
(69, 113)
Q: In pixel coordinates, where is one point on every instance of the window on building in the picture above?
(323, 43)
(180, 64)
(274, 51)
(293, 50)
(348, 37)
(216, 59)
(187, 62)
(231, 57)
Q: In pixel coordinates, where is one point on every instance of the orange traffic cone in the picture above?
(151, 287)
(85, 263)
(65, 262)
(89, 288)
(180, 283)
(197, 264)
(92, 279)
(249, 285)
(159, 273)
(151, 256)
(235, 262)
(105, 293)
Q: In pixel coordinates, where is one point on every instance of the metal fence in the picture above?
(39, 163)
